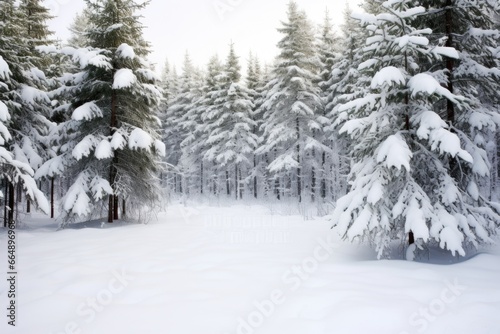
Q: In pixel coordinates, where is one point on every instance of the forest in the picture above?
(388, 125)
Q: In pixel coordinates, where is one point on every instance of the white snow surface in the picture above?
(215, 270)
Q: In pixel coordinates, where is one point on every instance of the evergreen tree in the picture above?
(401, 183)
(292, 106)
(18, 95)
(229, 127)
(78, 29)
(469, 27)
(188, 94)
(114, 119)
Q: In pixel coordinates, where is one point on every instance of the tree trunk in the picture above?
(116, 207)
(12, 204)
(255, 176)
(277, 188)
(228, 190)
(52, 213)
(236, 183)
(323, 180)
(411, 238)
(5, 210)
(28, 205)
(112, 169)
(201, 178)
(299, 179)
(241, 188)
(124, 210)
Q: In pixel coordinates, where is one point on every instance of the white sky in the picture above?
(174, 26)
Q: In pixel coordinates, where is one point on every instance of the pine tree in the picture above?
(18, 96)
(329, 54)
(401, 183)
(78, 28)
(229, 127)
(476, 75)
(188, 94)
(114, 118)
(292, 106)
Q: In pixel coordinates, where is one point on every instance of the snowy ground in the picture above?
(209, 270)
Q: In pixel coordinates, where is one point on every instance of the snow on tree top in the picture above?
(124, 78)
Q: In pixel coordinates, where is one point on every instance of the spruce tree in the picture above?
(401, 182)
(229, 127)
(114, 116)
(292, 106)
(19, 118)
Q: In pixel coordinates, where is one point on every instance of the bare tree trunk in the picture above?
(236, 183)
(228, 190)
(124, 209)
(6, 205)
(299, 179)
(52, 213)
(323, 180)
(255, 176)
(115, 207)
(201, 178)
(12, 204)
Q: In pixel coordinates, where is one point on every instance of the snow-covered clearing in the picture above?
(239, 269)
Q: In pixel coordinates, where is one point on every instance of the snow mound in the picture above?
(124, 78)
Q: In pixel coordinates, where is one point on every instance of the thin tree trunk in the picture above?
(236, 183)
(52, 213)
(228, 190)
(5, 211)
(241, 188)
(116, 207)
(112, 170)
(28, 205)
(255, 176)
(201, 178)
(323, 180)
(124, 209)
(277, 188)
(299, 179)
(12, 204)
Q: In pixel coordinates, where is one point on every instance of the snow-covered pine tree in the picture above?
(329, 51)
(401, 183)
(187, 95)
(254, 82)
(116, 145)
(200, 171)
(229, 128)
(469, 27)
(293, 108)
(78, 29)
(36, 128)
(341, 89)
(18, 94)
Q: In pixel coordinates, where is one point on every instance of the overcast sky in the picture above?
(206, 27)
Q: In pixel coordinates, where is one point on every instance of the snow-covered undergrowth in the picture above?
(238, 269)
